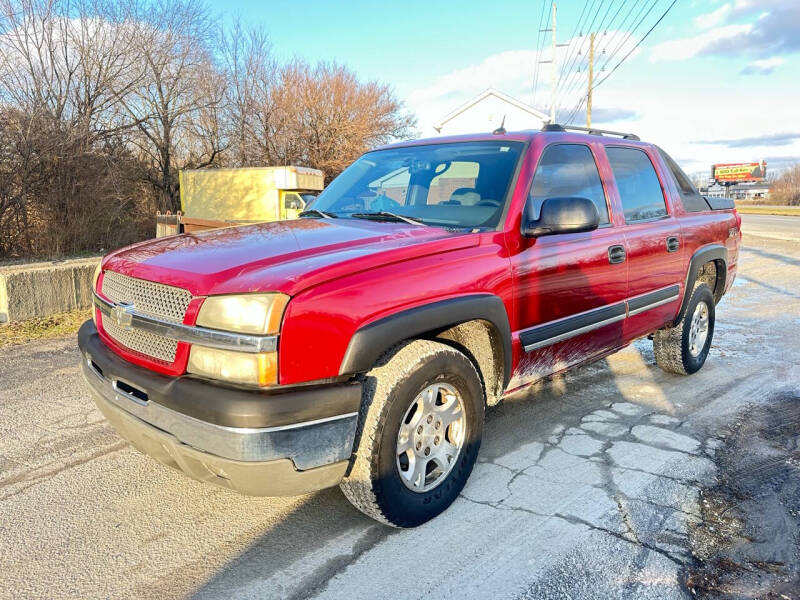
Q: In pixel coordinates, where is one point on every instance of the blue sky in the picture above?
(711, 75)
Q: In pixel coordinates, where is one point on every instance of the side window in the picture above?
(637, 182)
(566, 170)
(455, 184)
(388, 189)
(690, 198)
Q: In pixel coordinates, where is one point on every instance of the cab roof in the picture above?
(570, 132)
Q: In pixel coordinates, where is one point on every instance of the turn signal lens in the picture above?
(96, 276)
(235, 367)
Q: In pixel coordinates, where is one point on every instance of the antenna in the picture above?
(500, 130)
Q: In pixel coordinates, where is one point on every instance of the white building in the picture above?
(485, 112)
(739, 191)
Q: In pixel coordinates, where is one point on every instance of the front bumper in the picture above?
(239, 439)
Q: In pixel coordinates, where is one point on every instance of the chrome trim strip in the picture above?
(572, 333)
(593, 326)
(309, 444)
(211, 338)
(654, 305)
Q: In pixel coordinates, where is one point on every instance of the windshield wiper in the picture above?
(320, 213)
(386, 215)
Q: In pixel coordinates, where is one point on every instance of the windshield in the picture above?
(460, 185)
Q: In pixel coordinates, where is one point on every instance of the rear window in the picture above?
(690, 198)
(639, 189)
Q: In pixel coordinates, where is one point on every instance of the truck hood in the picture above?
(286, 256)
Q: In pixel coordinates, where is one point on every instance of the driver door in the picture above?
(569, 298)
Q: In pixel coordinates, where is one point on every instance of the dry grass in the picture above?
(42, 328)
(792, 211)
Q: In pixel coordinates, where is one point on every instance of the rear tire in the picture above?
(419, 433)
(683, 349)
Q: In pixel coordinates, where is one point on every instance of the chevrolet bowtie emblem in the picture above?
(122, 315)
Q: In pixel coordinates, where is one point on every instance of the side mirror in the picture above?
(292, 202)
(561, 215)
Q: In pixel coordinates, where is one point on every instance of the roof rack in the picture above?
(589, 130)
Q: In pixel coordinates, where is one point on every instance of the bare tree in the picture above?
(786, 187)
(251, 112)
(320, 116)
(334, 117)
(179, 94)
(102, 102)
(65, 67)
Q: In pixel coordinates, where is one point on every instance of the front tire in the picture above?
(683, 349)
(419, 433)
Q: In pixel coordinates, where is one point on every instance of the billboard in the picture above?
(739, 172)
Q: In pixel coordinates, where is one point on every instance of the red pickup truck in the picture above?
(360, 344)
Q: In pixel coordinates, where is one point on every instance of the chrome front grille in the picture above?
(143, 342)
(157, 300)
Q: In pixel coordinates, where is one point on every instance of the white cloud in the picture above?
(683, 48)
(512, 72)
(659, 108)
(713, 18)
(764, 66)
(771, 31)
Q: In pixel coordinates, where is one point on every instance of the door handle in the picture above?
(616, 254)
(673, 243)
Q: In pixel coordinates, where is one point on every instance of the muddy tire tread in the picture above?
(668, 342)
(394, 365)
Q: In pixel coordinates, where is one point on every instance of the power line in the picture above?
(564, 67)
(583, 38)
(638, 19)
(649, 31)
(581, 102)
(538, 54)
(622, 43)
(574, 79)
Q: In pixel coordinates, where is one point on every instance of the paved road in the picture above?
(587, 487)
(772, 226)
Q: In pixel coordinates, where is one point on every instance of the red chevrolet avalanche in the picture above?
(360, 344)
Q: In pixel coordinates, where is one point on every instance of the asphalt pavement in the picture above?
(592, 485)
(778, 227)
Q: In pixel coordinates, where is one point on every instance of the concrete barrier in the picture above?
(46, 288)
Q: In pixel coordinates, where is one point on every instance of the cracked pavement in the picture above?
(590, 485)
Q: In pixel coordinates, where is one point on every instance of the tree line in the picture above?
(785, 188)
(103, 101)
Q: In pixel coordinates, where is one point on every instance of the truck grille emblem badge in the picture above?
(123, 315)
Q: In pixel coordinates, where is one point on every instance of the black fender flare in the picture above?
(373, 339)
(699, 258)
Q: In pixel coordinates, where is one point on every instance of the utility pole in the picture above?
(553, 72)
(553, 65)
(591, 82)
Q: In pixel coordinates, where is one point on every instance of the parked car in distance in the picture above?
(360, 344)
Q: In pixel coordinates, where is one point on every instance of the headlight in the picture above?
(259, 314)
(236, 367)
(256, 314)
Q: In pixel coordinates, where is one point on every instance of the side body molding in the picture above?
(372, 340)
(699, 258)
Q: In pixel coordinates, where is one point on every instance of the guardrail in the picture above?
(45, 288)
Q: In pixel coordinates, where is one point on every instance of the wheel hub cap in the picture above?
(698, 329)
(431, 437)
